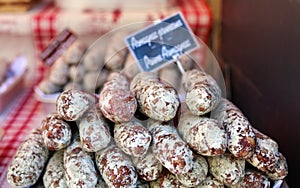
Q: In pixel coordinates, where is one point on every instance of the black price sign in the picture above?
(161, 43)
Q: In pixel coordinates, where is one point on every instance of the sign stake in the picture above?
(179, 64)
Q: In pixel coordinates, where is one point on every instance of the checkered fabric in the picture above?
(17, 121)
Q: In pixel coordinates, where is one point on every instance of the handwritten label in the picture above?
(160, 43)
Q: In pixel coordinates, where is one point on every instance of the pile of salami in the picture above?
(138, 132)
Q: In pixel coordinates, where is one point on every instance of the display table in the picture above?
(39, 25)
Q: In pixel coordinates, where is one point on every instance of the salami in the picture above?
(168, 180)
(133, 138)
(253, 178)
(116, 167)
(47, 87)
(241, 137)
(197, 174)
(280, 170)
(74, 52)
(204, 135)
(56, 132)
(117, 102)
(79, 165)
(116, 52)
(148, 167)
(29, 161)
(93, 59)
(72, 104)
(266, 154)
(59, 72)
(93, 131)
(156, 99)
(210, 182)
(131, 68)
(77, 73)
(227, 169)
(54, 175)
(202, 92)
(170, 75)
(173, 153)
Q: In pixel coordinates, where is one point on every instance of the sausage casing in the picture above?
(29, 161)
(79, 165)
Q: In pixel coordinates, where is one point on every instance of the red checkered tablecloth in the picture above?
(44, 23)
(17, 120)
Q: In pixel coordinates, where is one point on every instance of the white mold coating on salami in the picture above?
(204, 135)
(197, 174)
(116, 101)
(280, 170)
(241, 136)
(167, 180)
(133, 138)
(56, 132)
(116, 80)
(93, 131)
(202, 92)
(173, 153)
(148, 167)
(72, 104)
(54, 175)
(79, 166)
(266, 154)
(156, 99)
(226, 168)
(116, 167)
(253, 179)
(159, 102)
(29, 161)
(210, 182)
(141, 79)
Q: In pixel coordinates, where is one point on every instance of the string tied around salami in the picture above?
(162, 43)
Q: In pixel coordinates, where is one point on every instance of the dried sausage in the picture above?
(202, 92)
(29, 161)
(93, 131)
(56, 132)
(79, 166)
(205, 136)
(241, 137)
(133, 138)
(173, 153)
(156, 99)
(116, 167)
(116, 101)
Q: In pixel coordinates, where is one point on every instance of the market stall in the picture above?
(139, 85)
